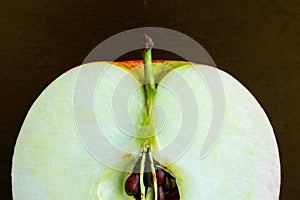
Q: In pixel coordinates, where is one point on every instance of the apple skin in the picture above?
(50, 161)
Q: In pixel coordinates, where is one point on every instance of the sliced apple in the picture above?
(51, 161)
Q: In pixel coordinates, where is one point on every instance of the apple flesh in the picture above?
(50, 161)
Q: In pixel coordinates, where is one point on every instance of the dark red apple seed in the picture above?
(173, 194)
(132, 184)
(137, 196)
(160, 176)
(161, 194)
(167, 186)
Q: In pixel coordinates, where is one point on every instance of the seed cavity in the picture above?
(150, 180)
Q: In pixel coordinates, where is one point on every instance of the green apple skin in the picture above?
(51, 162)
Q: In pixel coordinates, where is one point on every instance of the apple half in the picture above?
(51, 162)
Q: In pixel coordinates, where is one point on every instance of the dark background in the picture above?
(256, 41)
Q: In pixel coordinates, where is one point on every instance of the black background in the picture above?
(256, 41)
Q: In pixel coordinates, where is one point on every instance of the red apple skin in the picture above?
(131, 64)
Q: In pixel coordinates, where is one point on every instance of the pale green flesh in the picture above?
(244, 163)
(50, 161)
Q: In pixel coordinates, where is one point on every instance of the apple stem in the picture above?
(147, 45)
